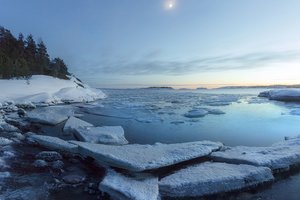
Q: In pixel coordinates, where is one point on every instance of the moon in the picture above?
(170, 4)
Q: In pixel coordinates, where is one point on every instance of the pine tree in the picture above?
(30, 54)
(23, 58)
(42, 57)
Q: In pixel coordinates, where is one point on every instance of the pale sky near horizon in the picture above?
(181, 43)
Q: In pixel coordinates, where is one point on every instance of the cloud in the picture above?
(150, 64)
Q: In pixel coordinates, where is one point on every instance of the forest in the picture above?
(23, 57)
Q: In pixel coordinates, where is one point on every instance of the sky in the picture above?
(180, 43)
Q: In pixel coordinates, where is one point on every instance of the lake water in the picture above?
(158, 115)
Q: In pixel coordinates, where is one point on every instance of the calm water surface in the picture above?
(157, 115)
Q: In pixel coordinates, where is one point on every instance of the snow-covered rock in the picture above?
(5, 141)
(74, 123)
(47, 89)
(282, 94)
(291, 137)
(53, 143)
(279, 156)
(295, 112)
(196, 113)
(101, 135)
(5, 127)
(50, 115)
(136, 157)
(121, 187)
(210, 178)
(4, 175)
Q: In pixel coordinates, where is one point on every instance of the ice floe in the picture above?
(50, 115)
(101, 135)
(136, 157)
(211, 177)
(279, 156)
(74, 123)
(53, 143)
(122, 187)
(196, 113)
(282, 94)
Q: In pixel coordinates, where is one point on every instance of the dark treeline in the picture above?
(20, 57)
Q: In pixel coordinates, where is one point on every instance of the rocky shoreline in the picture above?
(98, 162)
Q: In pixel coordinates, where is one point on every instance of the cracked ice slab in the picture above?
(54, 143)
(136, 157)
(122, 187)
(102, 135)
(50, 115)
(74, 123)
(210, 178)
(279, 156)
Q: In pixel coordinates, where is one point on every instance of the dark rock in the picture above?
(73, 179)
(58, 164)
(40, 164)
(21, 112)
(49, 156)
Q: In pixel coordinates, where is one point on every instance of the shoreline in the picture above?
(233, 195)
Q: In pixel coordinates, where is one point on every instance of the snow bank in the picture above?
(47, 89)
(282, 95)
(210, 178)
(74, 123)
(102, 135)
(135, 157)
(121, 187)
(50, 115)
(279, 156)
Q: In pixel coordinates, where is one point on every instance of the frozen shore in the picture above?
(133, 171)
(41, 89)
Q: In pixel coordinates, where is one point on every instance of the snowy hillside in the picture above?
(47, 89)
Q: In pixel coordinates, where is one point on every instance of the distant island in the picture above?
(22, 58)
(260, 86)
(163, 87)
